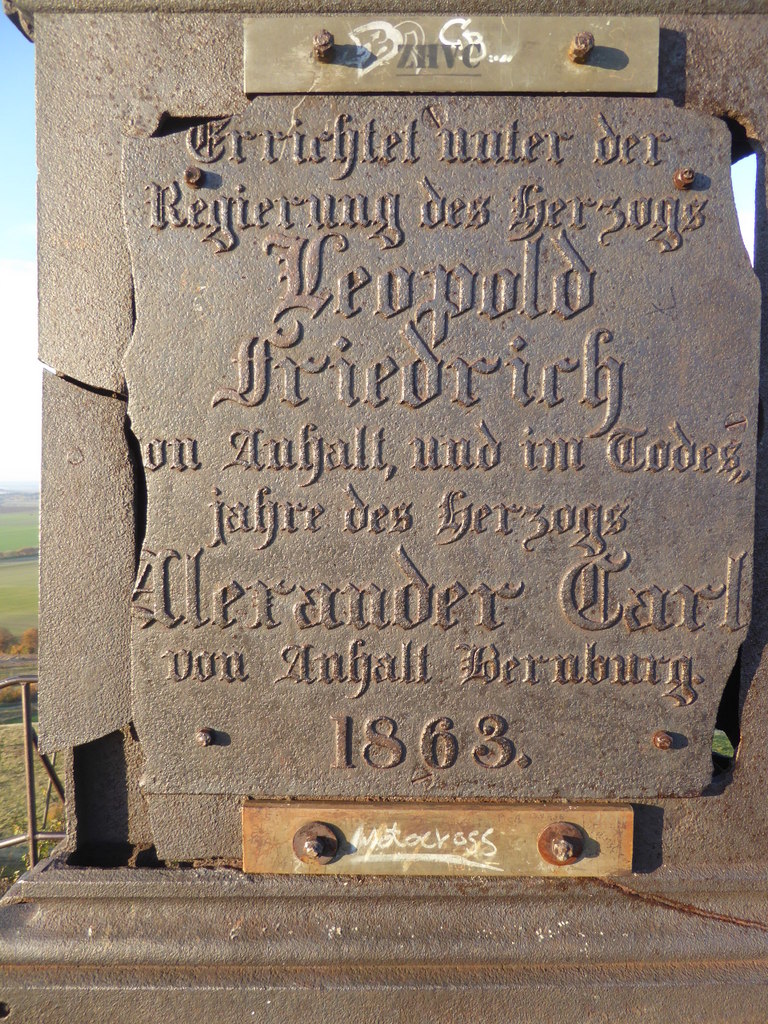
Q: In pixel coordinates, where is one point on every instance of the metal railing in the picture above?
(31, 747)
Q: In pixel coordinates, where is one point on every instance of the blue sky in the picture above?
(19, 371)
(17, 144)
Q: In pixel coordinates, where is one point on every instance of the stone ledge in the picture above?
(488, 7)
(189, 944)
(102, 920)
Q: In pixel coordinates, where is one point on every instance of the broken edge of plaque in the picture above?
(458, 839)
(419, 53)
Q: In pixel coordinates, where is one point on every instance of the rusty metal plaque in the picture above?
(455, 839)
(447, 413)
(418, 53)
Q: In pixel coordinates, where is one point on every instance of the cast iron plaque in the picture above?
(447, 410)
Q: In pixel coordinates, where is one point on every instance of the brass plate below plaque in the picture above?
(456, 839)
(416, 53)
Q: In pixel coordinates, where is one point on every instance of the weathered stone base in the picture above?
(189, 944)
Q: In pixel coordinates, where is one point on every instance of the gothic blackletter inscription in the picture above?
(447, 413)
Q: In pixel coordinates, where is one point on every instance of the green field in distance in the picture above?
(18, 594)
(18, 529)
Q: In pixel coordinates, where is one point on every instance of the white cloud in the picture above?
(20, 372)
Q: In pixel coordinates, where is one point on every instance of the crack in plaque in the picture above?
(171, 124)
(140, 500)
(92, 388)
(654, 899)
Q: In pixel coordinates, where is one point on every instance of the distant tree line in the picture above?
(24, 644)
(9, 556)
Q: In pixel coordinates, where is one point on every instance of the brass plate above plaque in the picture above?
(421, 53)
(438, 839)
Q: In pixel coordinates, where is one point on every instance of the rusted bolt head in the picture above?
(205, 737)
(582, 44)
(561, 843)
(684, 177)
(662, 740)
(315, 843)
(194, 177)
(314, 848)
(563, 849)
(324, 45)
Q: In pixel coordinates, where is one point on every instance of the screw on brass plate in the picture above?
(194, 177)
(315, 843)
(582, 44)
(205, 737)
(662, 740)
(561, 843)
(684, 177)
(324, 45)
